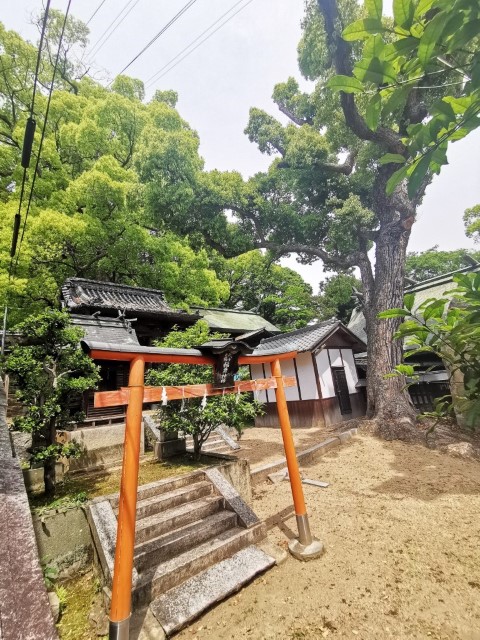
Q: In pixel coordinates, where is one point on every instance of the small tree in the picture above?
(195, 416)
(51, 372)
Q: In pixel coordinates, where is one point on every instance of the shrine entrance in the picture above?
(225, 359)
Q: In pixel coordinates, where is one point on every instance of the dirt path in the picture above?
(401, 526)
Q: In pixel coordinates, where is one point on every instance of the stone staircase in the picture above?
(219, 441)
(194, 545)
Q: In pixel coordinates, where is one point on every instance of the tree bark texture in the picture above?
(388, 400)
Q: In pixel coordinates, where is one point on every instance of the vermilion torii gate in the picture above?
(305, 547)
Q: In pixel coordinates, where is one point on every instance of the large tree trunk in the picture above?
(388, 399)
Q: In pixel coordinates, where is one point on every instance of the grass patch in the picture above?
(79, 595)
(75, 490)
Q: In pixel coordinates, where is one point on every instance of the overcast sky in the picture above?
(235, 69)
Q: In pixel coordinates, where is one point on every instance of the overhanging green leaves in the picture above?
(361, 29)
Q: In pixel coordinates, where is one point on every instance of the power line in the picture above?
(183, 10)
(26, 153)
(95, 12)
(97, 48)
(44, 130)
(193, 41)
(157, 77)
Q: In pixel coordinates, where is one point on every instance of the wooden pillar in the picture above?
(120, 610)
(306, 547)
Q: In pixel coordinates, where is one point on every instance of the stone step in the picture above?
(173, 572)
(178, 606)
(163, 522)
(213, 446)
(209, 444)
(164, 547)
(162, 486)
(165, 501)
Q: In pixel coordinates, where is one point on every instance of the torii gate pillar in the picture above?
(306, 547)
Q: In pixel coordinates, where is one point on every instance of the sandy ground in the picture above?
(401, 525)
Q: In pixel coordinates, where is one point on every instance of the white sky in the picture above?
(234, 70)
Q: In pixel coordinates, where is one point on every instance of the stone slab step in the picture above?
(166, 546)
(173, 572)
(162, 486)
(165, 521)
(184, 603)
(164, 501)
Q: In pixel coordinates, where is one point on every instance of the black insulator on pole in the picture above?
(28, 142)
(16, 229)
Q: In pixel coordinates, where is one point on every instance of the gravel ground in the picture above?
(401, 527)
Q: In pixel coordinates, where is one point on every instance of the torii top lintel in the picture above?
(127, 353)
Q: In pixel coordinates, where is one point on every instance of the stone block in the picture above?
(33, 478)
(167, 448)
(64, 538)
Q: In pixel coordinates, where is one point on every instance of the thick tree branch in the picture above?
(342, 62)
(295, 119)
(317, 252)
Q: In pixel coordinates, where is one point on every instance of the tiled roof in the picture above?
(79, 293)
(306, 339)
(109, 330)
(234, 321)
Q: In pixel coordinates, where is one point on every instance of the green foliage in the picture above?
(277, 293)
(422, 265)
(450, 329)
(336, 299)
(428, 55)
(233, 410)
(471, 218)
(113, 171)
(51, 373)
(50, 574)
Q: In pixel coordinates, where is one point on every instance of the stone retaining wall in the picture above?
(24, 607)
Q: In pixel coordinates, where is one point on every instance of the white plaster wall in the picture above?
(306, 376)
(268, 373)
(335, 358)
(350, 370)
(325, 373)
(257, 372)
(288, 369)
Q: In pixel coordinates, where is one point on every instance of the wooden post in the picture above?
(306, 547)
(120, 609)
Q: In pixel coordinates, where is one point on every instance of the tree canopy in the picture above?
(118, 185)
(422, 265)
(277, 293)
(339, 295)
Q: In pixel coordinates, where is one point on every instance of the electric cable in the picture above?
(95, 12)
(26, 154)
(183, 10)
(95, 49)
(152, 77)
(198, 45)
(44, 130)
